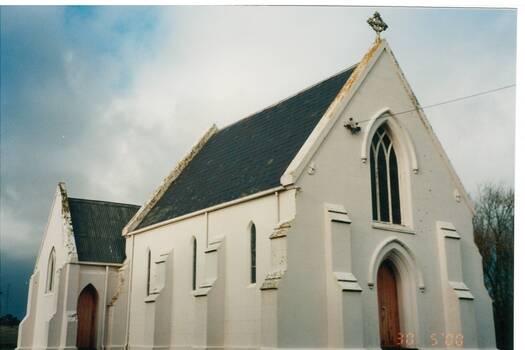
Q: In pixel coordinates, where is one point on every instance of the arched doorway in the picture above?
(388, 303)
(86, 315)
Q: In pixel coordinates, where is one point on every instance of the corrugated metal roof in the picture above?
(97, 227)
(249, 156)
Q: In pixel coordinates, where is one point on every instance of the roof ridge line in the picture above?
(288, 97)
(103, 201)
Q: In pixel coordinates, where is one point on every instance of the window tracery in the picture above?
(384, 178)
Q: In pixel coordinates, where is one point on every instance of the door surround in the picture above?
(409, 281)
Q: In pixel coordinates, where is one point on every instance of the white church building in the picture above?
(324, 221)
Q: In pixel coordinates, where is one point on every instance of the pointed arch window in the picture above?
(253, 254)
(194, 265)
(51, 271)
(148, 274)
(384, 178)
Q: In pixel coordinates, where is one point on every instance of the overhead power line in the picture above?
(459, 99)
(450, 101)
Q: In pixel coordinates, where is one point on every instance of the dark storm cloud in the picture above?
(59, 69)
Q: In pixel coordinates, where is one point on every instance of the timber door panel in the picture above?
(388, 306)
(86, 316)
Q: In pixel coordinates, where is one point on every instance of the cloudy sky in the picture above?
(108, 99)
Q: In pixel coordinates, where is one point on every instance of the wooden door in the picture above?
(86, 315)
(388, 306)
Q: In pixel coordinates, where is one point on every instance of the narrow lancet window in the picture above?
(50, 271)
(253, 256)
(194, 272)
(384, 178)
(148, 274)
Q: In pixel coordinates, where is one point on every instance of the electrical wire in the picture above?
(448, 101)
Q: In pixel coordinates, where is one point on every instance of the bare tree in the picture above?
(494, 236)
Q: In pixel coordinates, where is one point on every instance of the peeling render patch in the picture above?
(404, 82)
(67, 225)
(279, 256)
(145, 209)
(119, 288)
(272, 280)
(356, 74)
(298, 164)
(281, 230)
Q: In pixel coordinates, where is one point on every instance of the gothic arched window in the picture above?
(253, 256)
(194, 265)
(148, 274)
(384, 178)
(50, 271)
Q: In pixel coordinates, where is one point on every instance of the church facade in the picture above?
(332, 219)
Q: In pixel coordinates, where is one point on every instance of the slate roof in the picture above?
(249, 156)
(97, 227)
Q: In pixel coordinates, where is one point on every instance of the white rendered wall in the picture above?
(340, 177)
(116, 312)
(241, 299)
(34, 329)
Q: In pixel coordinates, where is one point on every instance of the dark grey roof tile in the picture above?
(97, 227)
(249, 156)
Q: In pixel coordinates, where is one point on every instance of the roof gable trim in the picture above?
(298, 164)
(168, 180)
(60, 198)
(439, 147)
(67, 223)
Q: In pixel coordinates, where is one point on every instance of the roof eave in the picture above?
(168, 180)
(253, 196)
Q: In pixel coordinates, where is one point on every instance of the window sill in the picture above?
(151, 298)
(251, 285)
(392, 227)
(199, 293)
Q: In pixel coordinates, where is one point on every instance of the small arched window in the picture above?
(50, 271)
(148, 274)
(384, 178)
(253, 254)
(194, 266)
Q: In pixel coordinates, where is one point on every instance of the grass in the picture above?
(8, 337)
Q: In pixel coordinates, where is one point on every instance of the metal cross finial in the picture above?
(377, 24)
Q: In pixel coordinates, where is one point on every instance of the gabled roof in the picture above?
(249, 156)
(97, 228)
